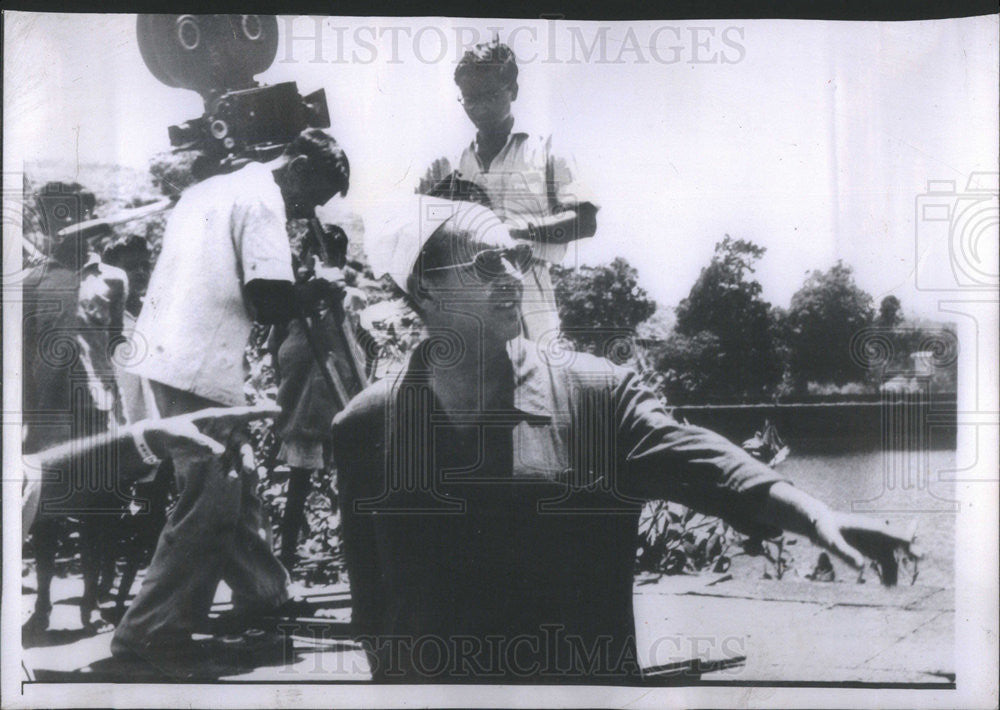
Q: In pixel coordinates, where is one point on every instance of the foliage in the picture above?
(890, 313)
(677, 540)
(724, 346)
(691, 367)
(598, 304)
(172, 172)
(825, 314)
(674, 539)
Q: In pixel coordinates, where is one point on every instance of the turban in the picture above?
(403, 225)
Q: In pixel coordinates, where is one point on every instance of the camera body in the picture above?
(218, 56)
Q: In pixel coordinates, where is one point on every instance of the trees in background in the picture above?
(600, 306)
(723, 346)
(890, 313)
(823, 318)
(728, 345)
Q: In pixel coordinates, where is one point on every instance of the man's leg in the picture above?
(45, 540)
(214, 533)
(299, 485)
(258, 581)
(194, 546)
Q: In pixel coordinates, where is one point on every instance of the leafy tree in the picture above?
(597, 303)
(691, 367)
(724, 346)
(890, 312)
(824, 315)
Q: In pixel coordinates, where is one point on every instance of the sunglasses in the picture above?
(489, 263)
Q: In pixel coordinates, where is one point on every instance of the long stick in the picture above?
(321, 361)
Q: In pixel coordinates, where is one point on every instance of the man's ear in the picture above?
(513, 91)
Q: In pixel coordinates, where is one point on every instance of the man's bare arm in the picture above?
(163, 437)
(580, 222)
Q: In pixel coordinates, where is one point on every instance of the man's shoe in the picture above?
(179, 660)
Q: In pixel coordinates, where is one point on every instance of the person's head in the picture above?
(487, 80)
(467, 279)
(59, 205)
(132, 256)
(315, 169)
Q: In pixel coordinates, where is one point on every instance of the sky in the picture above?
(814, 139)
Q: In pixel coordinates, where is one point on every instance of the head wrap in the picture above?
(403, 225)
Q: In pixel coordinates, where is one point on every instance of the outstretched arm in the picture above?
(700, 469)
(164, 437)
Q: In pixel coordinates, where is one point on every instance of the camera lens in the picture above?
(219, 128)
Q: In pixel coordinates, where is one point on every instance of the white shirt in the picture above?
(194, 325)
(528, 179)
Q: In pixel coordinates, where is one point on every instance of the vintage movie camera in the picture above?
(218, 56)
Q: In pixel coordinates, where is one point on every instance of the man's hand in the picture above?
(167, 437)
(854, 537)
(331, 277)
(850, 536)
(331, 274)
(558, 228)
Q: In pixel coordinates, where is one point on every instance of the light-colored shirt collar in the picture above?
(519, 129)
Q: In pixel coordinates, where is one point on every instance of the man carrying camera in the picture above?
(225, 263)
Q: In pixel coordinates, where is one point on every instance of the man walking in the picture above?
(225, 262)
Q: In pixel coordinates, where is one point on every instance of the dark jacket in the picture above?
(510, 536)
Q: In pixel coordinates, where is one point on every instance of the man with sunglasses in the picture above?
(491, 490)
(530, 185)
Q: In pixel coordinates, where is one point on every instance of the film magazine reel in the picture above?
(218, 56)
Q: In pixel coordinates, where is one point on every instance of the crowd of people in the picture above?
(486, 492)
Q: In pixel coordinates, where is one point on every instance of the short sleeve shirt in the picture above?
(528, 178)
(194, 326)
